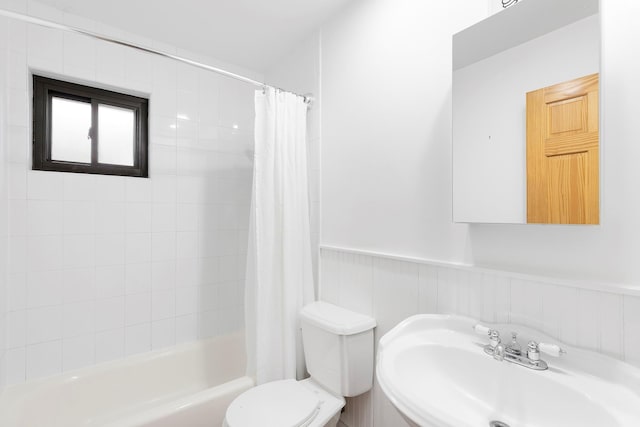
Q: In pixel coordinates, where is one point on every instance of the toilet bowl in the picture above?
(285, 403)
(338, 351)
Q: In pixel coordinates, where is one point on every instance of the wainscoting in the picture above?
(598, 316)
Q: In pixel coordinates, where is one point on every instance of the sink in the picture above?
(435, 372)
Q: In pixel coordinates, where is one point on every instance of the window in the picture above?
(83, 129)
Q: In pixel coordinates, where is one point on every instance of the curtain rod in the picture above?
(308, 99)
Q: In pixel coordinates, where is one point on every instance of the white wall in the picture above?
(102, 267)
(609, 251)
(489, 118)
(386, 126)
(299, 72)
(3, 196)
(495, 6)
(386, 179)
(386, 188)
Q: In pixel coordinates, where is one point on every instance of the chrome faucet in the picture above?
(514, 348)
(499, 352)
(494, 338)
(513, 352)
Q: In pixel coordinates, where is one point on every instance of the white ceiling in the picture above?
(250, 33)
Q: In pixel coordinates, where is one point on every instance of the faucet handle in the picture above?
(493, 334)
(551, 349)
(481, 330)
(533, 351)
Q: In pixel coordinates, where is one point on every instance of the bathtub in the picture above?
(187, 385)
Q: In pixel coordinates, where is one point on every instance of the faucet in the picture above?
(512, 352)
(499, 352)
(514, 348)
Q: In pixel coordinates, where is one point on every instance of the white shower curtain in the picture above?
(279, 278)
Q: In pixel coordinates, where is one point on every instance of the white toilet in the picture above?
(338, 349)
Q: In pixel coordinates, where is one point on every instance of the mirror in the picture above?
(525, 115)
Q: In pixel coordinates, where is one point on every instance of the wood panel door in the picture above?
(563, 153)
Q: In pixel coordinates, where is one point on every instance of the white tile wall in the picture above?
(101, 267)
(393, 289)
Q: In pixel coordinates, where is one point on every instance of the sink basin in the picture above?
(435, 372)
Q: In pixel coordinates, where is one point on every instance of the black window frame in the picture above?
(45, 88)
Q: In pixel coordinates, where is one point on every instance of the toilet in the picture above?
(338, 350)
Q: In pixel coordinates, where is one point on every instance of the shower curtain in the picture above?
(279, 280)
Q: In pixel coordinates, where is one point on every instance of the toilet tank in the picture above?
(338, 348)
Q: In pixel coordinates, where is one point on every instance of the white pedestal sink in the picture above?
(434, 370)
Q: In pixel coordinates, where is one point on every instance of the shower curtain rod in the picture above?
(308, 99)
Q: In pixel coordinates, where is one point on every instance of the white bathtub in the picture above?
(188, 385)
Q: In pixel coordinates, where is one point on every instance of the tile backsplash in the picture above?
(101, 267)
(392, 289)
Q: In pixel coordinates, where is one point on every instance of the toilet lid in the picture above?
(276, 404)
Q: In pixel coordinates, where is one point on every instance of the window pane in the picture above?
(116, 133)
(70, 124)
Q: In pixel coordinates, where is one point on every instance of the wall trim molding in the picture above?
(610, 287)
